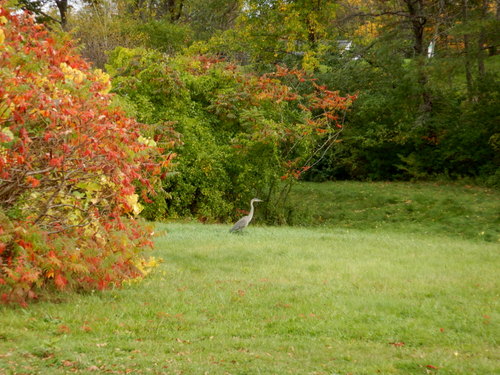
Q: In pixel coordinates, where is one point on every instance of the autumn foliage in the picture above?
(242, 134)
(71, 168)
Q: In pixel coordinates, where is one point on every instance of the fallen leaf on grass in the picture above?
(432, 367)
(68, 363)
(86, 328)
(397, 344)
(283, 305)
(311, 315)
(63, 329)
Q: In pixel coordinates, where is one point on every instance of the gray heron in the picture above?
(245, 220)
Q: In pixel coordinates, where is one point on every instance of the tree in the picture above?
(416, 116)
(278, 31)
(38, 8)
(207, 17)
(99, 28)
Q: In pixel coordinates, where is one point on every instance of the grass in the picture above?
(282, 300)
(461, 211)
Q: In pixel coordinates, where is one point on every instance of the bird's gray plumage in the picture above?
(245, 220)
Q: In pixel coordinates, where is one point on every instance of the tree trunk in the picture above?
(493, 49)
(418, 20)
(467, 54)
(175, 9)
(312, 36)
(482, 41)
(62, 5)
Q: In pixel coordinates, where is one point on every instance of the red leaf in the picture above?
(86, 328)
(60, 281)
(25, 245)
(56, 162)
(32, 181)
(24, 134)
(397, 344)
(63, 329)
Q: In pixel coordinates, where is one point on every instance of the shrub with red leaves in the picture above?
(71, 168)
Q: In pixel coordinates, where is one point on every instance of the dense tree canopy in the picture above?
(426, 71)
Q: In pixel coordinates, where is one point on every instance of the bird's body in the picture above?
(245, 220)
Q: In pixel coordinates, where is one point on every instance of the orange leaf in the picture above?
(60, 281)
(32, 181)
(63, 329)
(397, 344)
(56, 162)
(86, 328)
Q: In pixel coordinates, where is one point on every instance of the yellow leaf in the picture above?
(7, 132)
(133, 202)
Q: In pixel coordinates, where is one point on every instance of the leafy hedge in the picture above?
(239, 134)
(72, 166)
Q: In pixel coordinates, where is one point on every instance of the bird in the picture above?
(245, 220)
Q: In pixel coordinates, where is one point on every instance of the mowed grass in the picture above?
(276, 301)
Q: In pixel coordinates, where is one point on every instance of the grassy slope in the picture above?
(277, 301)
(457, 210)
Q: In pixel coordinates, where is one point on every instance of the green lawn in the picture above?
(457, 210)
(286, 300)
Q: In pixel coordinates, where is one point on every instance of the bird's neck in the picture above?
(251, 209)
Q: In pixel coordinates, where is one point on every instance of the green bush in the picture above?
(239, 133)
